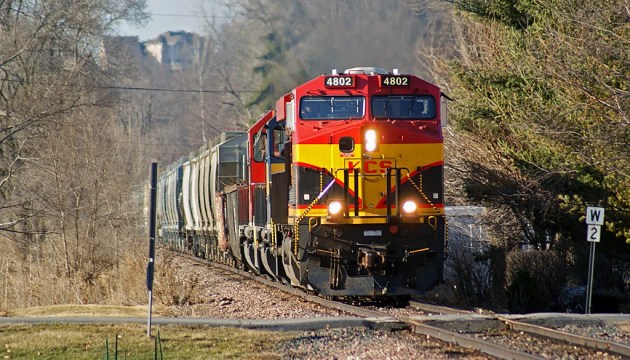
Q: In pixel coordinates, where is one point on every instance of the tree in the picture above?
(48, 68)
(542, 95)
(293, 41)
(277, 35)
(53, 95)
(84, 196)
(546, 88)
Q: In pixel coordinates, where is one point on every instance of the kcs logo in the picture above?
(371, 166)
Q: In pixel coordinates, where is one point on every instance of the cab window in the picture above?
(412, 107)
(332, 107)
(260, 147)
(279, 141)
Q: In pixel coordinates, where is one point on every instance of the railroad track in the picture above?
(464, 328)
(604, 345)
(474, 331)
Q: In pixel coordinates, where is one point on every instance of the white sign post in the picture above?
(594, 222)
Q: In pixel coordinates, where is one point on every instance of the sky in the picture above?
(168, 15)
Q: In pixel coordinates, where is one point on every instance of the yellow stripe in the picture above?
(406, 155)
(372, 183)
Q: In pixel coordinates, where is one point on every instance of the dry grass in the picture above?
(71, 341)
(81, 310)
(33, 289)
(27, 283)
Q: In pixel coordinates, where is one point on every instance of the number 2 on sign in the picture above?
(593, 233)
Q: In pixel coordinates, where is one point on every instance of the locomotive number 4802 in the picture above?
(394, 80)
(339, 81)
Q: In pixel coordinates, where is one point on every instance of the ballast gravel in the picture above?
(215, 293)
(203, 291)
(619, 333)
(360, 343)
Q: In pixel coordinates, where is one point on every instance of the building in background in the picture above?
(175, 49)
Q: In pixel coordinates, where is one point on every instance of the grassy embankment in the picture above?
(80, 341)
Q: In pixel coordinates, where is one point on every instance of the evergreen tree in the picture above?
(545, 84)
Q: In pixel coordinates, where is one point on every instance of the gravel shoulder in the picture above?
(191, 289)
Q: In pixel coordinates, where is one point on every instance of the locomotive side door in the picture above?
(279, 175)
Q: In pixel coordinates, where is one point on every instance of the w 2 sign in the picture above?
(594, 220)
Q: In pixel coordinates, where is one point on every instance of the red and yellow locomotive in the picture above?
(341, 189)
(353, 172)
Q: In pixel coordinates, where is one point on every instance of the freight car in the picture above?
(338, 190)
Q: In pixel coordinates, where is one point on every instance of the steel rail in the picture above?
(437, 309)
(470, 342)
(594, 343)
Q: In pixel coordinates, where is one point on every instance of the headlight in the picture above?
(335, 207)
(370, 140)
(409, 207)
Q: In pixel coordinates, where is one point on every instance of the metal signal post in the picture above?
(152, 228)
(594, 221)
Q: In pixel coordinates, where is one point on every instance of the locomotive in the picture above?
(338, 190)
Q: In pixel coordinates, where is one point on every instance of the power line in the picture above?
(136, 88)
(201, 16)
(142, 88)
(191, 15)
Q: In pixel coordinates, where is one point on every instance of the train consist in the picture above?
(338, 190)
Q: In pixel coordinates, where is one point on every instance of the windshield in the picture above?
(403, 107)
(332, 107)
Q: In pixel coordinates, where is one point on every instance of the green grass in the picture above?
(71, 341)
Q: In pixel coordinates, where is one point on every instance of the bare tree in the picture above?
(50, 78)
(47, 68)
(85, 193)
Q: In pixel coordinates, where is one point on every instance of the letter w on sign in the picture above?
(594, 216)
